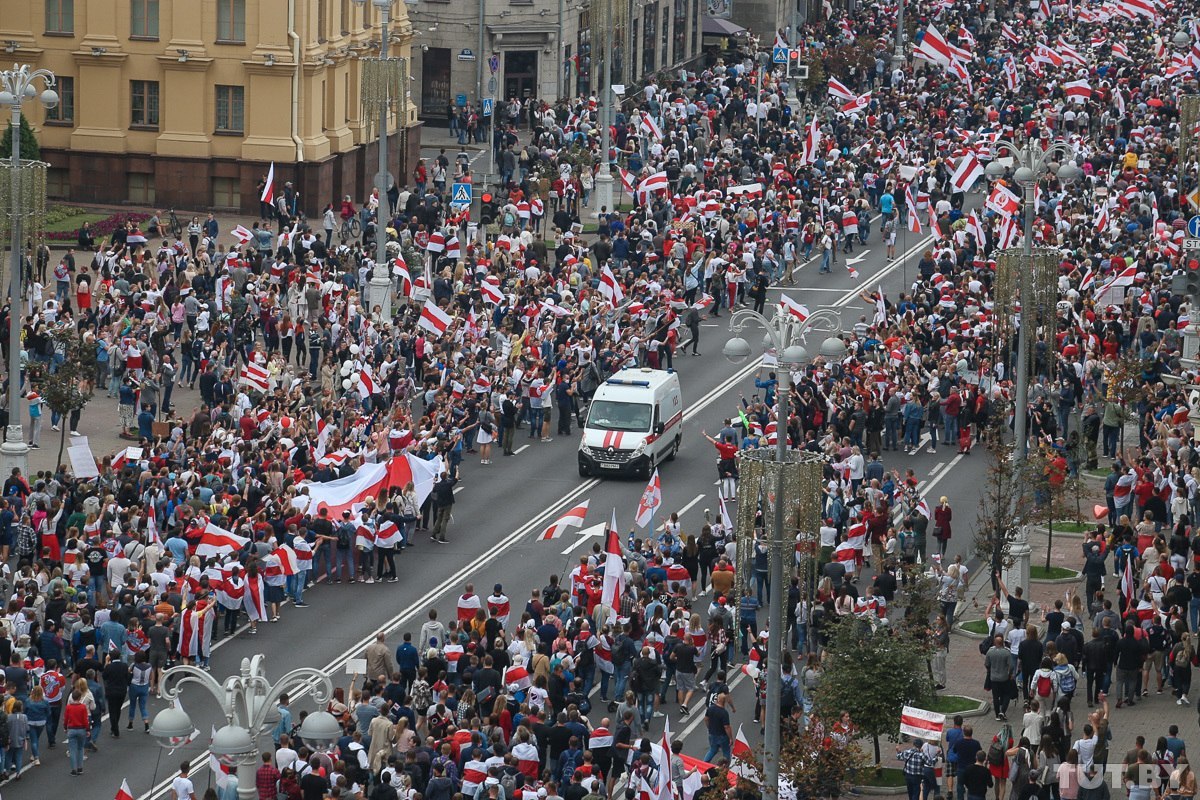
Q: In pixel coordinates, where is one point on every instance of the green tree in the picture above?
(66, 383)
(30, 149)
(873, 674)
(818, 765)
(997, 522)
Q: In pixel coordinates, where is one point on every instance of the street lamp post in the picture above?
(991, 15)
(18, 86)
(605, 14)
(1031, 161)
(898, 56)
(784, 332)
(381, 281)
(247, 699)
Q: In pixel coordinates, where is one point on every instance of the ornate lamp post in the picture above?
(384, 80)
(26, 197)
(247, 699)
(784, 332)
(1030, 162)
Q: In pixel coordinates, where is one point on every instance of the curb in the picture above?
(880, 791)
(1053, 581)
(961, 631)
(979, 710)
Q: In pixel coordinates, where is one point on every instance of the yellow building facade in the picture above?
(185, 103)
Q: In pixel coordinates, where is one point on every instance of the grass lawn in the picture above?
(888, 777)
(952, 704)
(1040, 573)
(68, 219)
(1073, 527)
(978, 626)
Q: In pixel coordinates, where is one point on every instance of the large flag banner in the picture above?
(921, 724)
(650, 502)
(368, 481)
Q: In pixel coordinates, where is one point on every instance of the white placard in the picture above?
(83, 463)
(356, 666)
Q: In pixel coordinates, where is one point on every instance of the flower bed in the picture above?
(65, 227)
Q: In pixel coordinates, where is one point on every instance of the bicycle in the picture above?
(351, 228)
(175, 225)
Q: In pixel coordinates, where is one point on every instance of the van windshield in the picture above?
(611, 415)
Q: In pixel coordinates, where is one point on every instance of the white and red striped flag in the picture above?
(966, 172)
(838, 89)
(255, 376)
(433, 319)
(614, 569)
(797, 310)
(216, 541)
(921, 724)
(572, 519)
(124, 792)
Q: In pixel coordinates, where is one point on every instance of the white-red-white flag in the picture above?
(433, 319)
(797, 310)
(650, 501)
(572, 519)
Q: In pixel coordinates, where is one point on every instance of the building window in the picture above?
(681, 32)
(60, 16)
(666, 35)
(697, 24)
(58, 183)
(64, 112)
(649, 39)
(231, 21)
(583, 54)
(345, 15)
(225, 193)
(143, 19)
(322, 19)
(139, 188)
(231, 104)
(143, 104)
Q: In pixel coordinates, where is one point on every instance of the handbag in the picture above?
(987, 680)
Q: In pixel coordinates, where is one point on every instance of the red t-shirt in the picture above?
(728, 451)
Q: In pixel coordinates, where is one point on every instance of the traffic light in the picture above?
(489, 208)
(1191, 283)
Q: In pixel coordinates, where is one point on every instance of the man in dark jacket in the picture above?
(443, 501)
(1131, 653)
(645, 676)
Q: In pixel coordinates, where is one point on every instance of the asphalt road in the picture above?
(493, 539)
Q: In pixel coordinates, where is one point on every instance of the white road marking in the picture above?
(521, 449)
(683, 510)
(595, 530)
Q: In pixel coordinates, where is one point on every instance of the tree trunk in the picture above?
(878, 758)
(62, 438)
(1049, 542)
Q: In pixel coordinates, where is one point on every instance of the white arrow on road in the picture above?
(595, 530)
(858, 258)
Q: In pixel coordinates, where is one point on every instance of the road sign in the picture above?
(461, 194)
(487, 106)
(1193, 198)
(466, 55)
(494, 64)
(1191, 244)
(1193, 227)
(779, 55)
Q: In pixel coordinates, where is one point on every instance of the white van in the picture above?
(634, 423)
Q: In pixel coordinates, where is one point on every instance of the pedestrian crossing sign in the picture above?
(461, 194)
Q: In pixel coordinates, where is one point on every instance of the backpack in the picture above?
(998, 747)
(1066, 678)
(1044, 685)
(908, 543)
(344, 536)
(1182, 657)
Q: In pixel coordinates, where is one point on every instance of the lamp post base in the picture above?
(381, 295)
(604, 191)
(1020, 552)
(14, 452)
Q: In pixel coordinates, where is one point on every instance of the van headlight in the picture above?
(641, 448)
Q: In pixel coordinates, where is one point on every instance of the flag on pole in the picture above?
(572, 519)
(921, 724)
(797, 310)
(268, 192)
(433, 319)
(650, 502)
(124, 793)
(614, 569)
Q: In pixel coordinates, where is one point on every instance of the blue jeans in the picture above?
(536, 417)
(97, 584)
(14, 759)
(891, 434)
(322, 557)
(826, 256)
(76, 740)
(295, 586)
(137, 699)
(342, 558)
(912, 432)
(35, 740)
(621, 672)
(646, 706)
(718, 744)
(762, 584)
(950, 430)
(1194, 613)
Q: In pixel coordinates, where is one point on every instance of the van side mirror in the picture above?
(659, 428)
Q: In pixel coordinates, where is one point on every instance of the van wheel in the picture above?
(584, 472)
(674, 450)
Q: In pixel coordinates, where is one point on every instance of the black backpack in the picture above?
(996, 752)
(344, 537)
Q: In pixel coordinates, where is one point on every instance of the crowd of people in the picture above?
(742, 178)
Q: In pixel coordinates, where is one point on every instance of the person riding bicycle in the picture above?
(727, 471)
(348, 211)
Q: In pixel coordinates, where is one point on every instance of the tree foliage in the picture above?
(873, 674)
(30, 149)
(1001, 504)
(818, 765)
(66, 383)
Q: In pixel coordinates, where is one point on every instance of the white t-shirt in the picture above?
(183, 789)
